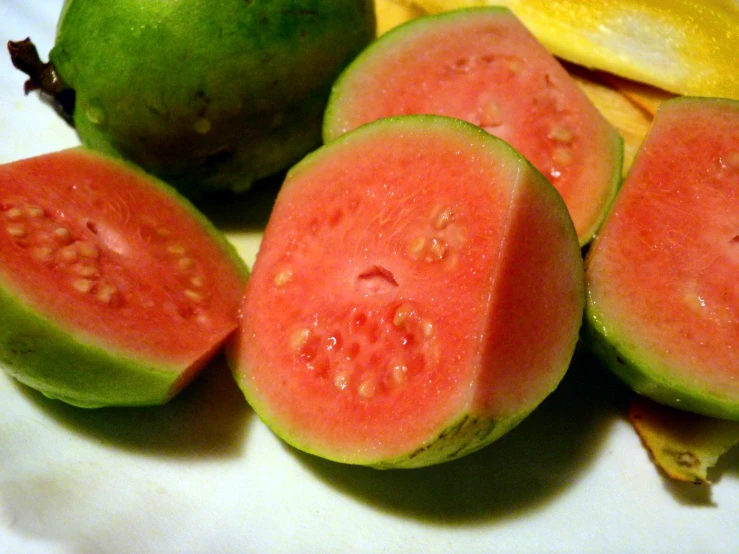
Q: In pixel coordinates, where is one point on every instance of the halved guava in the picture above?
(418, 291)
(113, 289)
(663, 301)
(205, 95)
(483, 66)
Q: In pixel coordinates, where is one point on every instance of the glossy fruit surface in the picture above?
(417, 293)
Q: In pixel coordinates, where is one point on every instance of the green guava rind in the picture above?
(44, 356)
(256, 74)
(407, 66)
(482, 420)
(635, 372)
(620, 340)
(75, 366)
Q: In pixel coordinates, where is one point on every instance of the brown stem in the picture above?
(42, 77)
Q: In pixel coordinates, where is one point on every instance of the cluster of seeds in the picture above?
(469, 64)
(491, 116)
(439, 242)
(82, 260)
(351, 353)
(52, 243)
(192, 296)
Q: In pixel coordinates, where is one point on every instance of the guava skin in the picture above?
(32, 349)
(206, 95)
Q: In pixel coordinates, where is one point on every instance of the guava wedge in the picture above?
(686, 47)
(663, 305)
(483, 66)
(205, 95)
(114, 290)
(418, 292)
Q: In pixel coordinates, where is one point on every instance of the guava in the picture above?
(417, 293)
(114, 290)
(483, 66)
(663, 305)
(205, 95)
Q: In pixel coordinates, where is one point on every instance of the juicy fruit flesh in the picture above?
(340, 356)
(662, 276)
(373, 301)
(137, 276)
(548, 119)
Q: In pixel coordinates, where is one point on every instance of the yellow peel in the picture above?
(643, 96)
(391, 13)
(682, 444)
(683, 46)
(631, 121)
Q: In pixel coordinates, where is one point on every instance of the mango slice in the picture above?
(628, 117)
(684, 46)
(391, 13)
(682, 444)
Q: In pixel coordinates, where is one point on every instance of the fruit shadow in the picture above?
(208, 419)
(247, 211)
(523, 470)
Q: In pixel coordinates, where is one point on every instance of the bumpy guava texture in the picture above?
(206, 95)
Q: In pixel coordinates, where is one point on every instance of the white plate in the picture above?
(204, 475)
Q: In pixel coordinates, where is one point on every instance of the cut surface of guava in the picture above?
(483, 66)
(418, 291)
(663, 304)
(113, 289)
(206, 95)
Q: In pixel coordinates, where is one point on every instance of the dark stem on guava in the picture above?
(42, 77)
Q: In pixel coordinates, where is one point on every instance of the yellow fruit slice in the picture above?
(631, 121)
(683, 46)
(682, 444)
(391, 13)
(646, 97)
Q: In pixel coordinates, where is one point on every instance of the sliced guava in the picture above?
(418, 291)
(114, 290)
(205, 95)
(663, 304)
(483, 66)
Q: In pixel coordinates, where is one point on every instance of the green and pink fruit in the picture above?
(205, 95)
(113, 289)
(483, 66)
(418, 292)
(663, 301)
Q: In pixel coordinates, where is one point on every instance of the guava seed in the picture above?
(283, 277)
(16, 230)
(561, 134)
(444, 218)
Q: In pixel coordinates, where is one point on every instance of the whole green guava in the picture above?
(206, 94)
